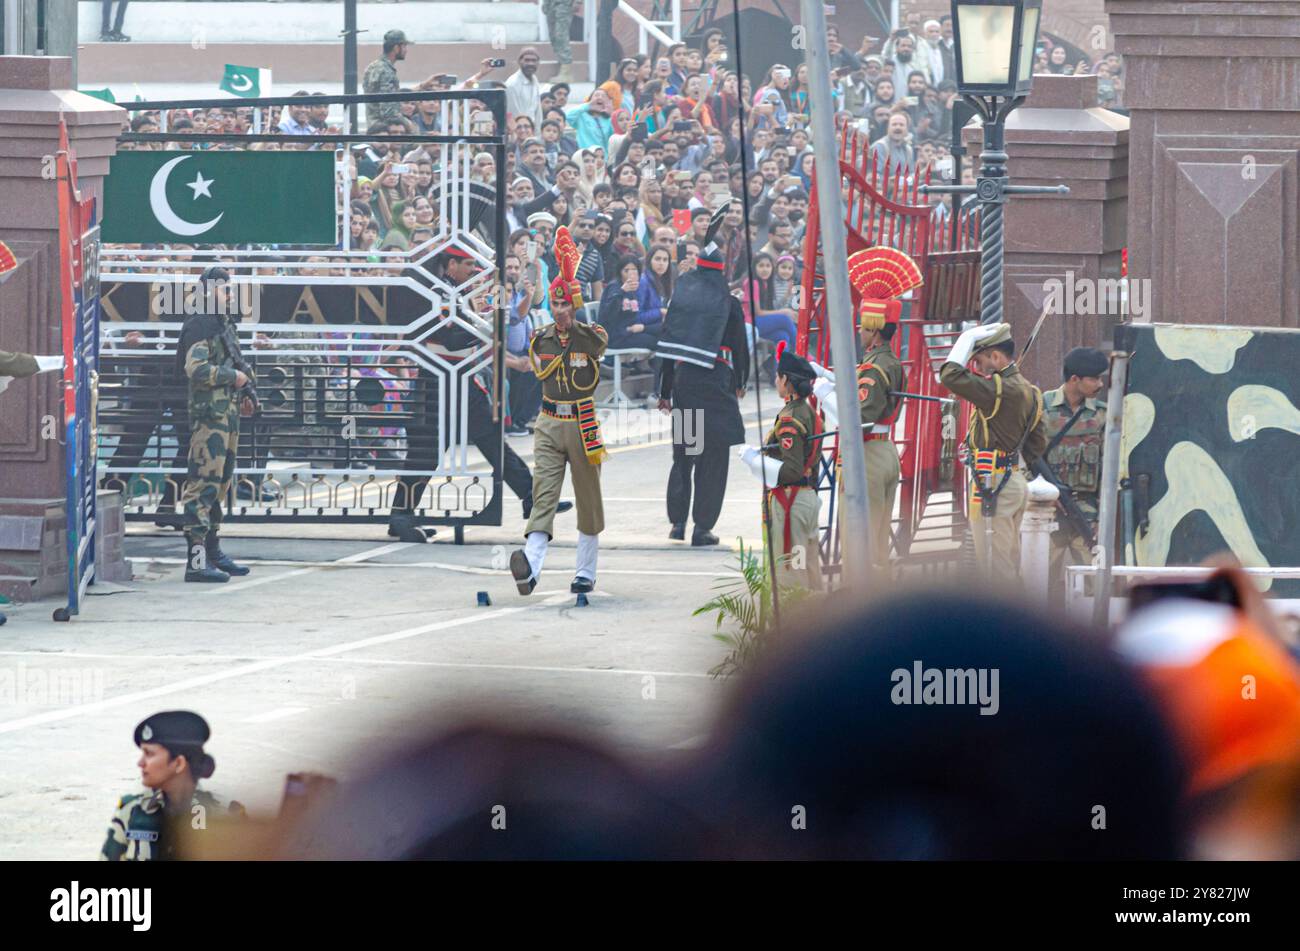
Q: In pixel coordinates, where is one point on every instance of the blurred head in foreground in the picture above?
(943, 727)
(488, 792)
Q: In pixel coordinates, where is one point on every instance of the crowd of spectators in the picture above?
(635, 169)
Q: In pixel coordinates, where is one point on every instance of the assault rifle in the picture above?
(1069, 506)
(249, 389)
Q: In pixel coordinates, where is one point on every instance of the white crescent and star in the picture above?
(240, 83)
(163, 211)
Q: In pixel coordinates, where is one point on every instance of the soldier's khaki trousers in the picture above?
(1062, 555)
(883, 473)
(557, 444)
(802, 564)
(1010, 509)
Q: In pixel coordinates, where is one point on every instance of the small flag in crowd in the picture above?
(247, 82)
(105, 94)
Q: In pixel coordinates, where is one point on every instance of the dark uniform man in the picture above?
(703, 373)
(1006, 433)
(219, 380)
(1075, 453)
(453, 343)
(788, 458)
(19, 365)
(381, 76)
(165, 822)
(566, 358)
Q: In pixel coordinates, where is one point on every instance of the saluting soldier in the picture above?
(786, 464)
(208, 356)
(1074, 423)
(1005, 435)
(161, 823)
(566, 358)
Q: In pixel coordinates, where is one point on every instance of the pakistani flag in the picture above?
(247, 82)
(220, 198)
(104, 94)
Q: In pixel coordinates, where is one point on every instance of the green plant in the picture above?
(746, 599)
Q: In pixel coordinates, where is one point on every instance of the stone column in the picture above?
(1215, 103)
(1036, 529)
(1060, 136)
(34, 90)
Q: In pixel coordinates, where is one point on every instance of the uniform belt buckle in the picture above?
(564, 409)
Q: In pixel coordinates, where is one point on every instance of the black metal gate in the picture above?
(379, 380)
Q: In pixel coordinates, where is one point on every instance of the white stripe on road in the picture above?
(278, 714)
(348, 560)
(305, 566)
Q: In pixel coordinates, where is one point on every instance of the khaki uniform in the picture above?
(17, 364)
(1076, 460)
(1008, 416)
(794, 499)
(569, 368)
(878, 374)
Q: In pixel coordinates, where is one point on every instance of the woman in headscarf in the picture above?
(622, 87)
(405, 220)
(693, 100)
(387, 194)
(650, 214)
(592, 172)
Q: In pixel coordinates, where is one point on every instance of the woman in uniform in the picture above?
(163, 822)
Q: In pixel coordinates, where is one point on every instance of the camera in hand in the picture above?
(682, 125)
(496, 63)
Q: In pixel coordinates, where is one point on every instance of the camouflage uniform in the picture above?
(559, 22)
(1076, 460)
(380, 77)
(878, 374)
(214, 434)
(795, 497)
(142, 830)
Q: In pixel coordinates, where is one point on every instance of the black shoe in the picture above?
(563, 507)
(518, 431)
(702, 539)
(678, 532)
(398, 524)
(581, 585)
(3, 619)
(219, 559)
(120, 37)
(522, 571)
(417, 534)
(198, 569)
(559, 507)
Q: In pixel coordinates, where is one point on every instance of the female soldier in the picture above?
(161, 824)
(788, 457)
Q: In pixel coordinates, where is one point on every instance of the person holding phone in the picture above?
(631, 311)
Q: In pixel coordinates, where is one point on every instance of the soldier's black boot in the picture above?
(522, 572)
(219, 559)
(703, 539)
(559, 506)
(581, 585)
(197, 567)
(678, 532)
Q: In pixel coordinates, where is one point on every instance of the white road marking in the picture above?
(372, 661)
(190, 683)
(278, 714)
(348, 560)
(305, 566)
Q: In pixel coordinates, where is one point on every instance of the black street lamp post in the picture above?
(994, 45)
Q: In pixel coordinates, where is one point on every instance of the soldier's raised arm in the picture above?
(979, 390)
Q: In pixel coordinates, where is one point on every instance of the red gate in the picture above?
(885, 207)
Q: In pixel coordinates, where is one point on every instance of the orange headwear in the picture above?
(7, 260)
(880, 275)
(565, 287)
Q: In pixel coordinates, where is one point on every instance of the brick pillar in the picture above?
(33, 91)
(1060, 136)
(1215, 103)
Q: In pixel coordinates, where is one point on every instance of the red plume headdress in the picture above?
(565, 287)
(880, 275)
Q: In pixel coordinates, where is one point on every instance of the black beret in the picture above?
(173, 728)
(795, 366)
(1086, 361)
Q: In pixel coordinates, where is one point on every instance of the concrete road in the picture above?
(340, 645)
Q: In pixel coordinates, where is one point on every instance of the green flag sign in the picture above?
(250, 82)
(104, 94)
(220, 198)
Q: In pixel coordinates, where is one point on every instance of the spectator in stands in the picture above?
(773, 323)
(523, 91)
(894, 150)
(591, 122)
(631, 311)
(591, 269)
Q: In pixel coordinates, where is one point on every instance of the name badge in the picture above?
(141, 835)
(577, 359)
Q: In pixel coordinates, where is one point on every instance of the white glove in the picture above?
(961, 350)
(47, 364)
(4, 382)
(822, 372)
(758, 462)
(824, 390)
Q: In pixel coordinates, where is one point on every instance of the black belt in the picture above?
(802, 483)
(552, 408)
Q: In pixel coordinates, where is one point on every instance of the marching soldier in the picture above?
(1005, 436)
(155, 825)
(1074, 423)
(20, 365)
(787, 460)
(703, 373)
(220, 391)
(566, 358)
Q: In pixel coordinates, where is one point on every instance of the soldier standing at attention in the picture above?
(208, 356)
(566, 358)
(789, 455)
(559, 22)
(1074, 423)
(153, 826)
(1006, 432)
